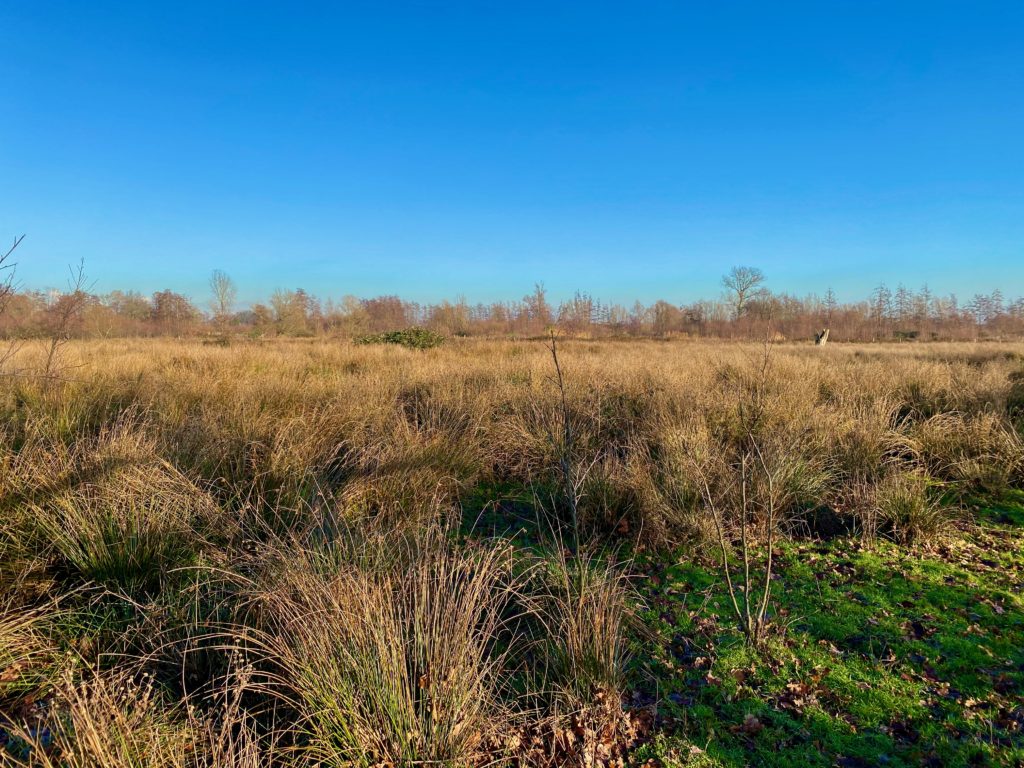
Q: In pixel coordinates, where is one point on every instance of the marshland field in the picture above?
(233, 553)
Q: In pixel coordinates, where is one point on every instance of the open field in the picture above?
(309, 552)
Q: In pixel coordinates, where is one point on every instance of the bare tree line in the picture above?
(742, 311)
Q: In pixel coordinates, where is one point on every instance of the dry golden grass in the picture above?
(387, 652)
(260, 476)
(393, 431)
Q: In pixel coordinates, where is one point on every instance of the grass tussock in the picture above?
(132, 531)
(28, 659)
(118, 719)
(113, 722)
(909, 507)
(587, 608)
(392, 658)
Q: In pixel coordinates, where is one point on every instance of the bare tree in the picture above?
(172, 313)
(743, 283)
(751, 597)
(64, 311)
(562, 431)
(749, 610)
(830, 305)
(7, 289)
(224, 295)
(7, 286)
(537, 306)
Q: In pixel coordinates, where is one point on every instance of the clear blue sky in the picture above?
(635, 150)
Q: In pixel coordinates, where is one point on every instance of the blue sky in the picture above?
(634, 150)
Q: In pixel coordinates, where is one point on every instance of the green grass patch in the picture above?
(884, 656)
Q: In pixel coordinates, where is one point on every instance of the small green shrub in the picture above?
(413, 338)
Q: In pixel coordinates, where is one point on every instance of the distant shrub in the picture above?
(413, 338)
(906, 335)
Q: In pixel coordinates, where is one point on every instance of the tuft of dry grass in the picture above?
(586, 610)
(107, 721)
(27, 657)
(981, 452)
(390, 658)
(911, 511)
(131, 531)
(117, 719)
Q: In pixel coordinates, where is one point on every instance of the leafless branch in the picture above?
(66, 309)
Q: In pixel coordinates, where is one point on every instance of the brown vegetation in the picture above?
(741, 313)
